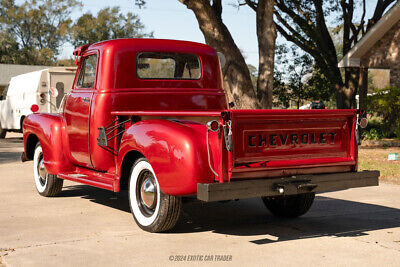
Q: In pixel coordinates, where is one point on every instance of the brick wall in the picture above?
(385, 54)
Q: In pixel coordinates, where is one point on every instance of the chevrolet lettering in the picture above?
(289, 139)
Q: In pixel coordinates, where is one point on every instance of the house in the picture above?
(379, 48)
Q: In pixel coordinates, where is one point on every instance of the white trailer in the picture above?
(30, 89)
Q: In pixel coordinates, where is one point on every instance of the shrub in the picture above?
(372, 134)
(386, 104)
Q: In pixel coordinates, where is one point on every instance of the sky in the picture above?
(169, 19)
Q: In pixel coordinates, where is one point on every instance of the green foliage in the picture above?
(34, 31)
(372, 134)
(298, 79)
(386, 104)
(253, 74)
(65, 62)
(109, 23)
(8, 48)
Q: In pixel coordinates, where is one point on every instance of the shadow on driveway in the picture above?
(11, 149)
(249, 217)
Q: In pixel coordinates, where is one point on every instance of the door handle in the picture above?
(86, 99)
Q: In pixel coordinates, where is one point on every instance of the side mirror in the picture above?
(53, 92)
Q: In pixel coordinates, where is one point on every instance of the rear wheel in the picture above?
(152, 210)
(47, 185)
(3, 132)
(289, 206)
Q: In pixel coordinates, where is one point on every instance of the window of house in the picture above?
(87, 73)
(157, 65)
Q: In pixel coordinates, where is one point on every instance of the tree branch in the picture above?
(251, 4)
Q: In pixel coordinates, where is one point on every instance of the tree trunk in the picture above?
(237, 80)
(346, 94)
(363, 88)
(266, 34)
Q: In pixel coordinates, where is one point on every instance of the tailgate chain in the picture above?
(228, 135)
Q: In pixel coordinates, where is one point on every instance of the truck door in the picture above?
(77, 111)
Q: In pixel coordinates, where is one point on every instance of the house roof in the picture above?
(7, 71)
(352, 58)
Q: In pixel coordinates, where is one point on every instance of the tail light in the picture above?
(213, 126)
(34, 108)
(42, 98)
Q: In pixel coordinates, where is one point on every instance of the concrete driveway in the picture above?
(92, 227)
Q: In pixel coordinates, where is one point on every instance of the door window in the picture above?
(87, 73)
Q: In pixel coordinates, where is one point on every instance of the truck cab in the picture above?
(151, 117)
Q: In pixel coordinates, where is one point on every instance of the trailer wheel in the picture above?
(21, 124)
(289, 206)
(152, 210)
(3, 132)
(48, 185)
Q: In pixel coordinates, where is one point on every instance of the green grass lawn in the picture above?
(377, 159)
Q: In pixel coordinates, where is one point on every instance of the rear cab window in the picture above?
(172, 66)
(87, 72)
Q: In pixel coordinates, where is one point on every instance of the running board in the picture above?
(98, 179)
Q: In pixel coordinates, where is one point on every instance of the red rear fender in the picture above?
(50, 131)
(176, 151)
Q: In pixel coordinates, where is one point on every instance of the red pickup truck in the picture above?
(151, 116)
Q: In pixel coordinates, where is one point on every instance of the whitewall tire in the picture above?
(152, 210)
(47, 185)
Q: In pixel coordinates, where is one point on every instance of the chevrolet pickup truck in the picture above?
(151, 117)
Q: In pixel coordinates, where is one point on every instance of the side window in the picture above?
(4, 94)
(87, 73)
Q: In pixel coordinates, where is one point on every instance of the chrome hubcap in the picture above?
(147, 192)
(42, 171)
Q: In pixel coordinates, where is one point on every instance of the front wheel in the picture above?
(47, 185)
(152, 210)
(3, 132)
(289, 206)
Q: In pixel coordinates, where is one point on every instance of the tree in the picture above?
(305, 24)
(253, 74)
(8, 49)
(109, 23)
(297, 78)
(237, 78)
(34, 31)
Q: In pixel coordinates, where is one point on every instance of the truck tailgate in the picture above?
(270, 143)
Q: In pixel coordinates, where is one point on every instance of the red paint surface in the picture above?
(177, 149)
